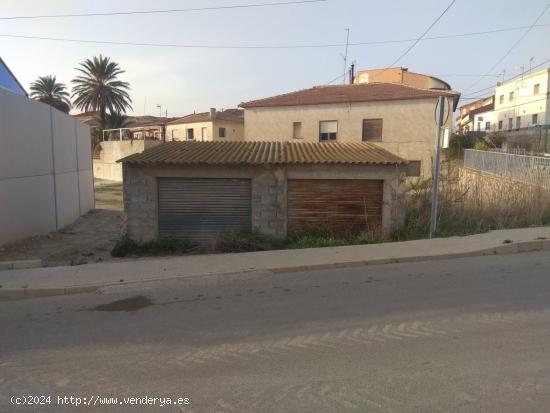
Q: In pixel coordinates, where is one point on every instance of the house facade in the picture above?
(397, 117)
(199, 190)
(477, 116)
(523, 102)
(9, 82)
(207, 126)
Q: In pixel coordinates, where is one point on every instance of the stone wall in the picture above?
(140, 203)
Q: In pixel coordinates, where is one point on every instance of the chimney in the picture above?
(212, 113)
(352, 74)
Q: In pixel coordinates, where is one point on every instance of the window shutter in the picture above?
(372, 129)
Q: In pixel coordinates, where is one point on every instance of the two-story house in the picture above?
(207, 126)
(523, 102)
(397, 117)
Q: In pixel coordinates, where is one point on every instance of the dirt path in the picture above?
(89, 239)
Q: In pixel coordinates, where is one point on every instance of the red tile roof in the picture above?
(364, 92)
(236, 115)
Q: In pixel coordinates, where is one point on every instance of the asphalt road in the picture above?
(464, 335)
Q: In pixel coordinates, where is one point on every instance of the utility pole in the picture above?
(160, 110)
(435, 185)
(346, 57)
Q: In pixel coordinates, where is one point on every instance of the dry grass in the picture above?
(471, 202)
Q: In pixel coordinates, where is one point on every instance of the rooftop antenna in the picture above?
(159, 106)
(531, 64)
(346, 57)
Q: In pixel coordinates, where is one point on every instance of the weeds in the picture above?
(247, 240)
(161, 246)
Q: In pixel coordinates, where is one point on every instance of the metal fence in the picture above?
(533, 170)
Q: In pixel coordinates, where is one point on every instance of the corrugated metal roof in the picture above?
(261, 153)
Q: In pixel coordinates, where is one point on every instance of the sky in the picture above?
(184, 80)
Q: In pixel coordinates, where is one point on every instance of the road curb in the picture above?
(511, 248)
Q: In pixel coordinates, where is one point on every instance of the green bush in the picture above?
(246, 241)
(497, 139)
(128, 247)
(315, 241)
(481, 145)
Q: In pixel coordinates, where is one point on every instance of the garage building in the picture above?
(201, 189)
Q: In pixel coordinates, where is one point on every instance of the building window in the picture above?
(478, 126)
(414, 168)
(487, 126)
(175, 134)
(328, 129)
(518, 122)
(297, 130)
(511, 96)
(499, 125)
(372, 129)
(190, 134)
(204, 133)
(221, 132)
(501, 99)
(536, 89)
(510, 123)
(535, 119)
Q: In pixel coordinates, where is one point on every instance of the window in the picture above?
(372, 130)
(499, 125)
(535, 119)
(510, 124)
(175, 134)
(414, 168)
(221, 132)
(204, 133)
(536, 89)
(487, 126)
(328, 129)
(297, 130)
(190, 134)
(501, 99)
(479, 126)
(511, 96)
(518, 122)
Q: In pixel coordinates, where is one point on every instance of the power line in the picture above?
(297, 46)
(125, 13)
(507, 80)
(513, 46)
(423, 34)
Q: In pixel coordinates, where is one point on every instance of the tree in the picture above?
(46, 89)
(97, 88)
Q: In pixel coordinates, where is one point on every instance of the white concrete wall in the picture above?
(525, 103)
(46, 179)
(106, 167)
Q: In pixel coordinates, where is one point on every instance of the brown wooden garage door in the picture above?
(334, 204)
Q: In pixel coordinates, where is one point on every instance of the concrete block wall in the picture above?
(269, 192)
(269, 201)
(46, 177)
(140, 203)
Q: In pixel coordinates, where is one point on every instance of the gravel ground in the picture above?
(89, 239)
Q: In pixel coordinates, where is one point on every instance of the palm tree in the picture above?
(46, 89)
(98, 89)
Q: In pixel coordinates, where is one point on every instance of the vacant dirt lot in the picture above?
(89, 239)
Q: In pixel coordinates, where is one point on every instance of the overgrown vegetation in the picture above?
(471, 203)
(162, 246)
(245, 241)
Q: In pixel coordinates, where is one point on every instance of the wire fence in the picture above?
(533, 170)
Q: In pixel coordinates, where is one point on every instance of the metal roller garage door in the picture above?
(201, 208)
(334, 204)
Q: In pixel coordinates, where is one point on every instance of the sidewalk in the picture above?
(27, 283)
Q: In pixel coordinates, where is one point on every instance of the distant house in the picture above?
(8, 81)
(149, 130)
(395, 116)
(207, 126)
(523, 102)
(477, 116)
